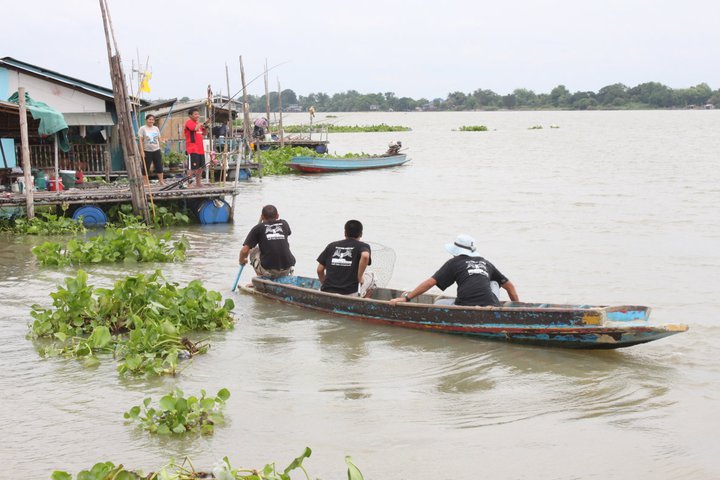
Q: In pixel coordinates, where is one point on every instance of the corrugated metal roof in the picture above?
(58, 77)
(89, 118)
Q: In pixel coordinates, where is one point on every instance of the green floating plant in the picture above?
(186, 471)
(179, 415)
(143, 321)
(127, 245)
(473, 128)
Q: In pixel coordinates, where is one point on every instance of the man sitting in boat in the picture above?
(393, 149)
(341, 266)
(477, 279)
(267, 246)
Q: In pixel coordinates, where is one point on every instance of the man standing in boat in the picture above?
(478, 280)
(267, 246)
(341, 266)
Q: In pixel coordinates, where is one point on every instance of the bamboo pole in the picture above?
(25, 154)
(280, 124)
(122, 105)
(267, 96)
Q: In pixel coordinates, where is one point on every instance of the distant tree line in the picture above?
(650, 95)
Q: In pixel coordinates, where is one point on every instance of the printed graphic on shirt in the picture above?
(477, 267)
(152, 137)
(274, 231)
(341, 256)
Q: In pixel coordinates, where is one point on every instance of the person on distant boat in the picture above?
(478, 280)
(150, 138)
(267, 246)
(260, 128)
(341, 266)
(194, 147)
(393, 149)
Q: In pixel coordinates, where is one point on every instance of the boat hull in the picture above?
(329, 164)
(567, 326)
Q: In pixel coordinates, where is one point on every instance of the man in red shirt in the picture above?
(194, 131)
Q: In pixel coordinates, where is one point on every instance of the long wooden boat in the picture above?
(553, 325)
(336, 164)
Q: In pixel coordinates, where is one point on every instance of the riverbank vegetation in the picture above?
(185, 470)
(473, 128)
(143, 321)
(648, 95)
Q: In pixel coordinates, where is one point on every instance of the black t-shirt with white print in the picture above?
(274, 247)
(473, 276)
(341, 260)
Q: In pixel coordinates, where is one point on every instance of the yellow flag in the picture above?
(145, 83)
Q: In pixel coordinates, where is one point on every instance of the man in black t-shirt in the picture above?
(473, 274)
(267, 246)
(341, 266)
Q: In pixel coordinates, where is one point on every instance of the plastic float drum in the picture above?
(214, 211)
(92, 216)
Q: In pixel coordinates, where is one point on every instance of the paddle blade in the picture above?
(237, 277)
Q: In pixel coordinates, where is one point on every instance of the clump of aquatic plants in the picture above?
(345, 128)
(186, 471)
(177, 414)
(43, 224)
(536, 127)
(275, 161)
(143, 321)
(127, 245)
(473, 128)
(168, 215)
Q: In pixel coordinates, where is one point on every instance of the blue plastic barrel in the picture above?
(214, 211)
(321, 149)
(92, 216)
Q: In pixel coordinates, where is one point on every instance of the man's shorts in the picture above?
(197, 160)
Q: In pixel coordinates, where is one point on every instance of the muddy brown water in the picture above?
(610, 208)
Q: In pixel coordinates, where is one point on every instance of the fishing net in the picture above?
(383, 263)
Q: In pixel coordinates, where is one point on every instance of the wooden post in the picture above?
(246, 109)
(267, 96)
(280, 125)
(125, 130)
(25, 154)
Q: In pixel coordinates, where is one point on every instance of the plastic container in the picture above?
(92, 216)
(41, 180)
(56, 185)
(68, 178)
(214, 211)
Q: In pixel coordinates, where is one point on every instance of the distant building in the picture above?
(293, 107)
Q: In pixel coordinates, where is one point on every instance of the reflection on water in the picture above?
(610, 208)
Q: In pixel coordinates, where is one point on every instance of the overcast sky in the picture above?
(416, 49)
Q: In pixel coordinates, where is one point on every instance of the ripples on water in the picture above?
(610, 208)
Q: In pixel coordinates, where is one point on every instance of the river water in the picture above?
(609, 208)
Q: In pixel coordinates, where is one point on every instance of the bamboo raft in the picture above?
(116, 194)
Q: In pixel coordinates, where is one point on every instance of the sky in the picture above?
(417, 49)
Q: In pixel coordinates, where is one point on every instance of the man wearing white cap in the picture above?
(473, 274)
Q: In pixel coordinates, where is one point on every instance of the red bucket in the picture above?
(55, 184)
